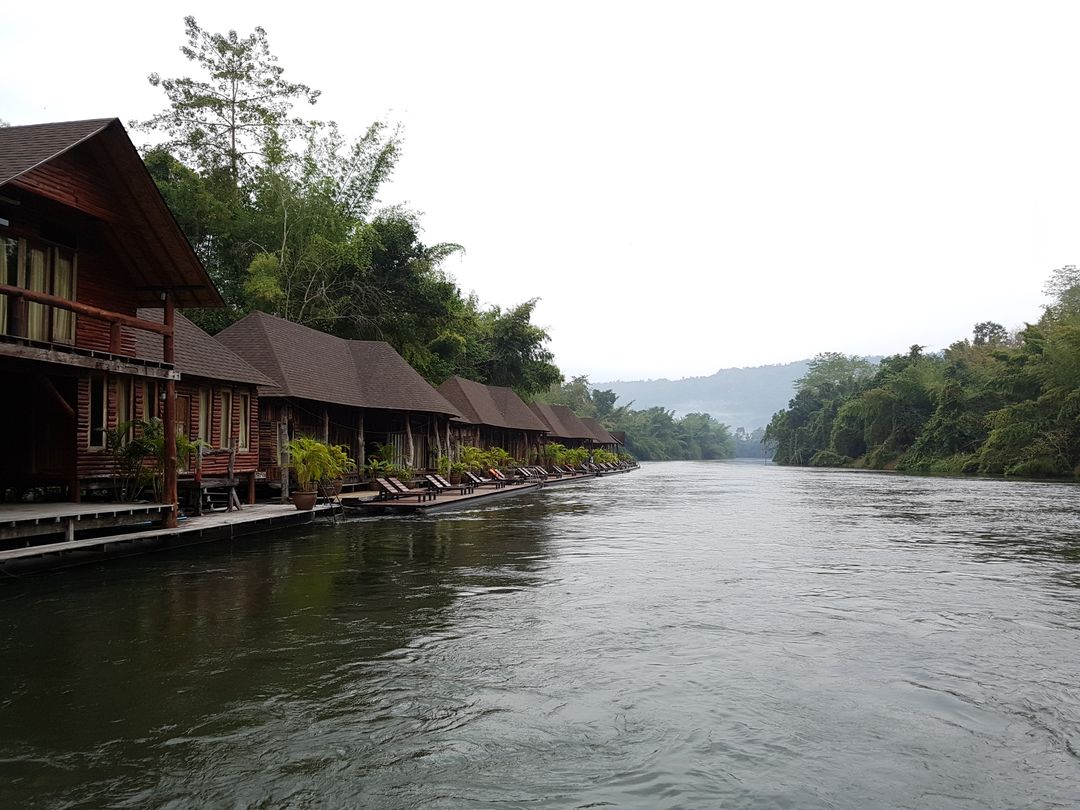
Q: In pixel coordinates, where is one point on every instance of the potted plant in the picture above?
(340, 465)
(311, 461)
(456, 471)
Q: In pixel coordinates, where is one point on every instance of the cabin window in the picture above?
(42, 268)
(204, 415)
(63, 325)
(182, 422)
(245, 424)
(226, 419)
(182, 416)
(37, 327)
(125, 403)
(9, 274)
(98, 402)
(151, 404)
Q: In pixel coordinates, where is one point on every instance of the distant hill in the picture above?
(739, 397)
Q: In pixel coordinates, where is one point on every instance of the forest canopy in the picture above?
(999, 403)
(284, 212)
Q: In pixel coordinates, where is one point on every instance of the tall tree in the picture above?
(230, 119)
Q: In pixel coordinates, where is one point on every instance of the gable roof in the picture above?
(308, 364)
(563, 423)
(27, 147)
(197, 353)
(602, 436)
(493, 405)
(47, 159)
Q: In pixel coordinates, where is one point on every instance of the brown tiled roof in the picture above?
(27, 147)
(309, 364)
(493, 405)
(197, 354)
(563, 423)
(158, 254)
(602, 436)
(572, 422)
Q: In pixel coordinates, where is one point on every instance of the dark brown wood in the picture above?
(90, 362)
(169, 357)
(85, 309)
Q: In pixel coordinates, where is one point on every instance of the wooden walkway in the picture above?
(26, 522)
(367, 503)
(212, 526)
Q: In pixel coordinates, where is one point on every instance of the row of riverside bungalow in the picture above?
(92, 269)
(357, 393)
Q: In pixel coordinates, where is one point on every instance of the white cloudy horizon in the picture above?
(685, 187)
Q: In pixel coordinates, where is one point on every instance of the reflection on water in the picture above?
(694, 634)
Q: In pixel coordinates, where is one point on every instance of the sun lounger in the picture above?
(387, 492)
(498, 476)
(485, 482)
(421, 494)
(440, 484)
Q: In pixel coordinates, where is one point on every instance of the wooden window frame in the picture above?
(244, 433)
(101, 380)
(52, 253)
(225, 421)
(206, 415)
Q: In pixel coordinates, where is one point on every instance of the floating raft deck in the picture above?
(446, 501)
(25, 521)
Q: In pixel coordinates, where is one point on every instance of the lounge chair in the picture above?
(498, 476)
(421, 494)
(387, 492)
(440, 484)
(485, 482)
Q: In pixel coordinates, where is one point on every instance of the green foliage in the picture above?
(230, 118)
(284, 214)
(827, 458)
(137, 448)
(999, 404)
(314, 461)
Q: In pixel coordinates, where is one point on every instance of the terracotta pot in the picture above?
(304, 500)
(455, 478)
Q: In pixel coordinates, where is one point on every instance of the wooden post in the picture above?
(283, 455)
(361, 460)
(325, 425)
(115, 338)
(169, 356)
(409, 449)
(19, 317)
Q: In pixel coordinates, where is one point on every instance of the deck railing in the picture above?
(20, 317)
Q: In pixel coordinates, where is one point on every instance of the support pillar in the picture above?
(169, 416)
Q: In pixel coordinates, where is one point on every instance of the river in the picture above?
(691, 635)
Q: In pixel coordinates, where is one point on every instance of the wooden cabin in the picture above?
(85, 241)
(601, 437)
(217, 402)
(357, 393)
(493, 416)
(564, 426)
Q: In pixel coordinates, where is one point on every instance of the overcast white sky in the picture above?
(685, 186)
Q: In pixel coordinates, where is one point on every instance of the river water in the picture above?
(692, 635)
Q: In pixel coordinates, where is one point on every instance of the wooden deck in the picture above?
(32, 523)
(213, 526)
(369, 504)
(26, 520)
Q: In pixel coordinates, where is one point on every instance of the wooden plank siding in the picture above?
(96, 463)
